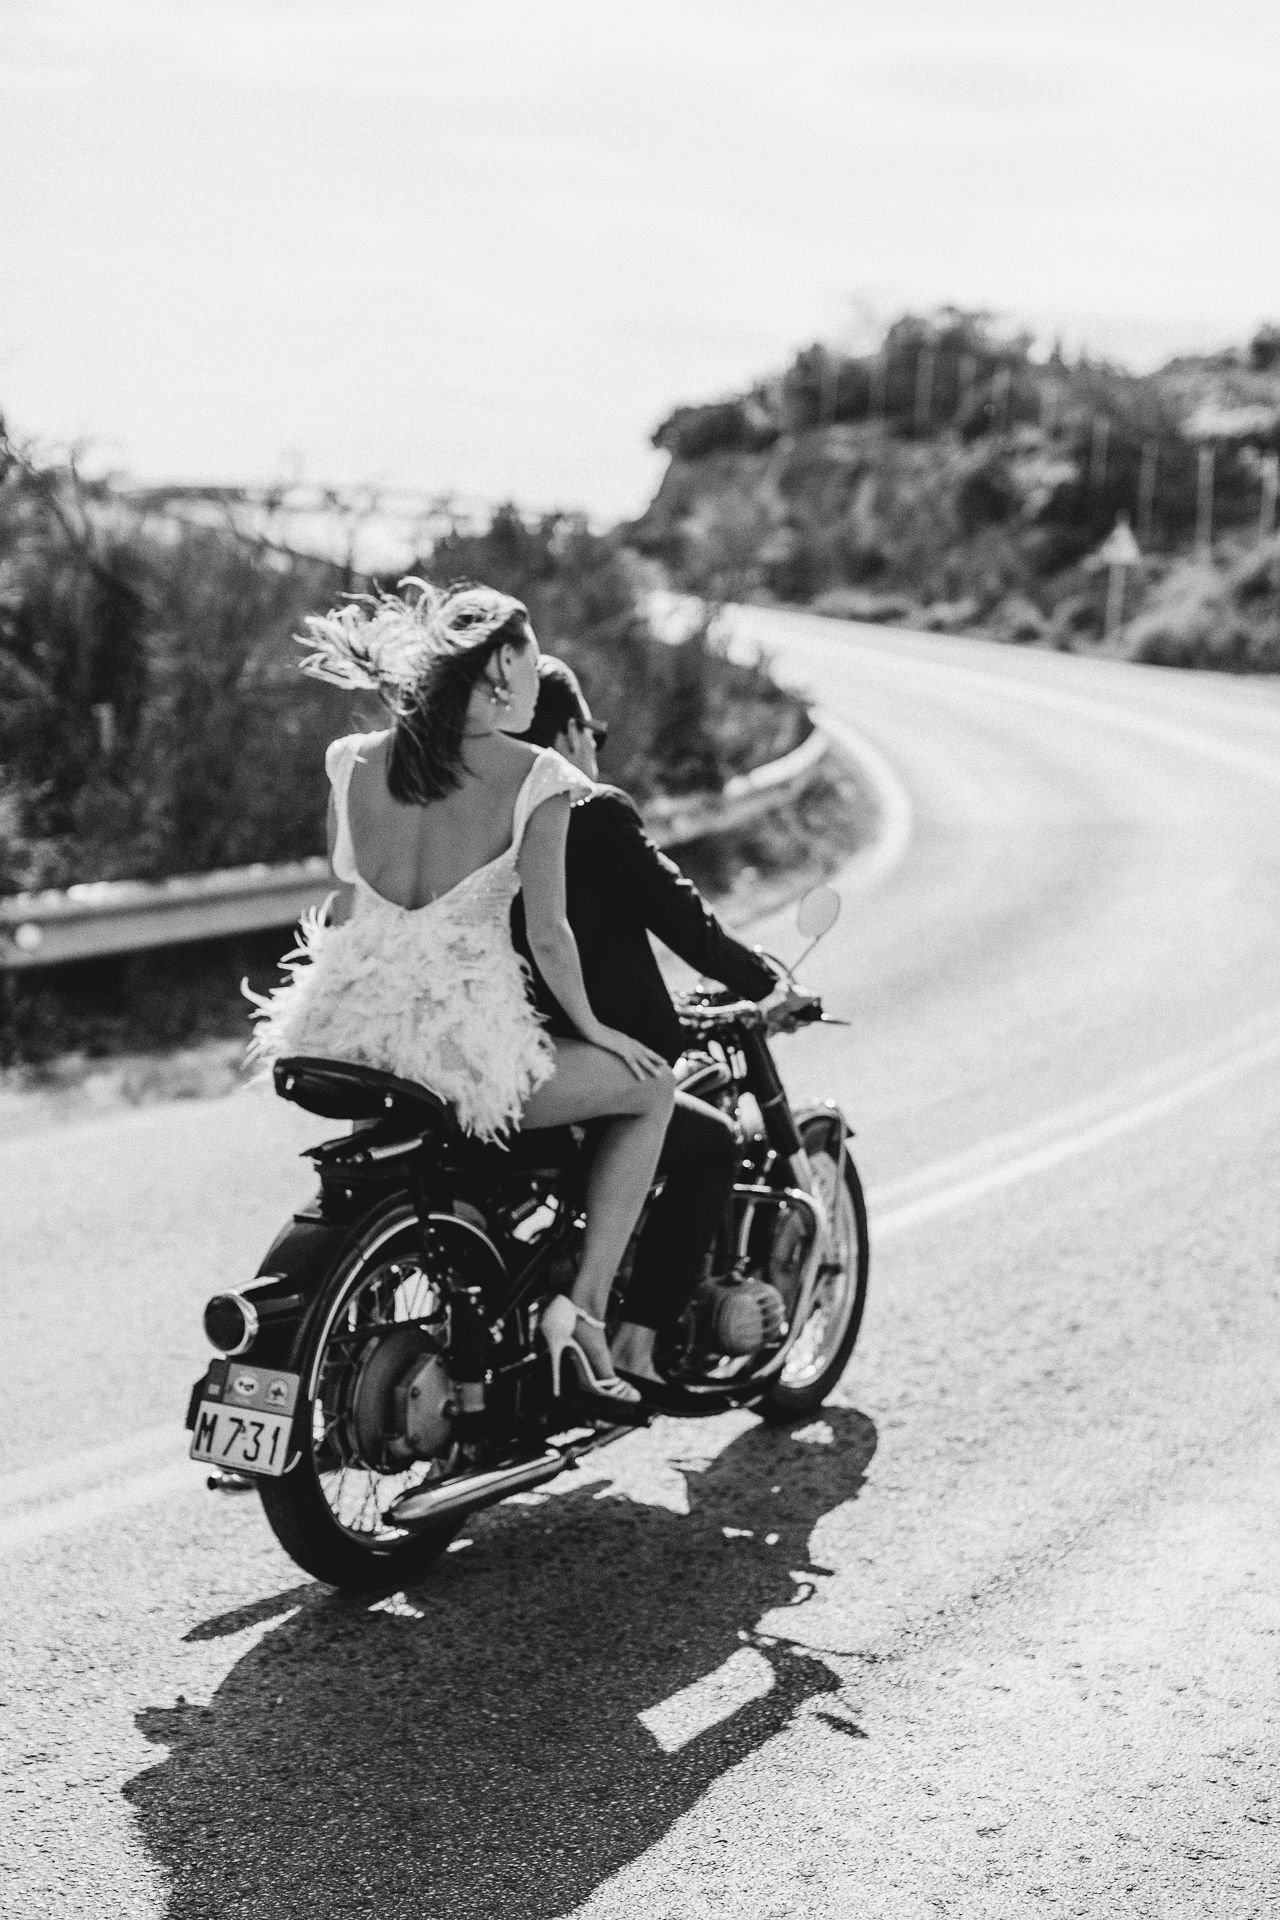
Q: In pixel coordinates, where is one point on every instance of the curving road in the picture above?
(998, 1636)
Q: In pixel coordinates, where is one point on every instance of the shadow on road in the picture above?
(478, 1751)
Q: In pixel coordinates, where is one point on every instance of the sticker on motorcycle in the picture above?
(243, 1386)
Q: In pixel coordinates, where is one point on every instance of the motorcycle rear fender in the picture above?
(291, 1274)
(293, 1270)
(379, 1222)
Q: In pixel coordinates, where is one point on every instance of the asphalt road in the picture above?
(996, 1636)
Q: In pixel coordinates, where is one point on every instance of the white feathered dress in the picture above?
(435, 993)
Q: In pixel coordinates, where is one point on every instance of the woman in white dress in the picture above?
(434, 824)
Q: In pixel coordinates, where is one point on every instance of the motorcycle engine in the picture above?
(738, 1314)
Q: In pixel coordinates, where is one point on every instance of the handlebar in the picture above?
(704, 1017)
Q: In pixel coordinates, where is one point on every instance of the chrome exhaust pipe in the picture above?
(424, 1506)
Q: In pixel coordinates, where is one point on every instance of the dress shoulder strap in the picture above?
(339, 760)
(549, 775)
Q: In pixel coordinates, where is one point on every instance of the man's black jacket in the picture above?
(620, 888)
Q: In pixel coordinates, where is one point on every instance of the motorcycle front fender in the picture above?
(821, 1123)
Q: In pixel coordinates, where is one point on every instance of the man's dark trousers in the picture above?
(697, 1167)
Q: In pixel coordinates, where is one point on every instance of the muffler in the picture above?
(467, 1492)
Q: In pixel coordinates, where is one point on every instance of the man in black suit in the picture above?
(620, 889)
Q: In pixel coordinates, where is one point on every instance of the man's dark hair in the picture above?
(559, 702)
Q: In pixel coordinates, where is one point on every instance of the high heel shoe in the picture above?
(559, 1318)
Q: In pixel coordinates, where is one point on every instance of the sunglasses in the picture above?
(598, 729)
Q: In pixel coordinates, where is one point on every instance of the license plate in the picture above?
(244, 1417)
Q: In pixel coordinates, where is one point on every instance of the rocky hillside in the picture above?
(952, 481)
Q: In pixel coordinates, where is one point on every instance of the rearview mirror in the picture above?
(818, 912)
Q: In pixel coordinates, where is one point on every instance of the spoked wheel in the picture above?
(371, 1336)
(828, 1336)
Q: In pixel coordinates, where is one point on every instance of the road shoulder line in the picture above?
(1039, 1159)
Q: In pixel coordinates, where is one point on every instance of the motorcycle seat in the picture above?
(342, 1090)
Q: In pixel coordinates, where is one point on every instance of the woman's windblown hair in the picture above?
(422, 651)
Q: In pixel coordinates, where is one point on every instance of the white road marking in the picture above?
(80, 1511)
(945, 1198)
(1171, 733)
(81, 1489)
(895, 821)
(74, 1471)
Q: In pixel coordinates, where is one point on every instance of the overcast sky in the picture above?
(482, 246)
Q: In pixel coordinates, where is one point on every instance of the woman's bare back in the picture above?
(412, 854)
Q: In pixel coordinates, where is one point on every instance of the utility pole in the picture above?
(1001, 389)
(1270, 487)
(1099, 434)
(824, 384)
(925, 361)
(879, 386)
(1204, 501)
(1147, 489)
(966, 374)
(104, 718)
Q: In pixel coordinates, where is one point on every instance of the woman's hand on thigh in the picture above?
(639, 1059)
(593, 1083)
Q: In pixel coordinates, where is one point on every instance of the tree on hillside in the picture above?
(1264, 348)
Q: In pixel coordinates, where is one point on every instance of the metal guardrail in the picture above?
(126, 916)
(675, 821)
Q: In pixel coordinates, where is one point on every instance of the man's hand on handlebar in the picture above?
(787, 1005)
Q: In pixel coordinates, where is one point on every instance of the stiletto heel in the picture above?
(559, 1318)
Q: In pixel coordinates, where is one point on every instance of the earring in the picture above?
(499, 696)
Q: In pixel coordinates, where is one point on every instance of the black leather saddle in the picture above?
(342, 1090)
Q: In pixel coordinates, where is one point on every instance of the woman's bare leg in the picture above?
(590, 1084)
(632, 1349)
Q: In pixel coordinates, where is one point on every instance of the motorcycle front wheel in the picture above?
(830, 1332)
(327, 1510)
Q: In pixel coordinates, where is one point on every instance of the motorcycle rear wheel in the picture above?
(830, 1334)
(326, 1514)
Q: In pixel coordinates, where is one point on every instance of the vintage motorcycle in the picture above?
(382, 1377)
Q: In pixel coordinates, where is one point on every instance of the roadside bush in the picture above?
(1201, 616)
(142, 728)
(986, 497)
